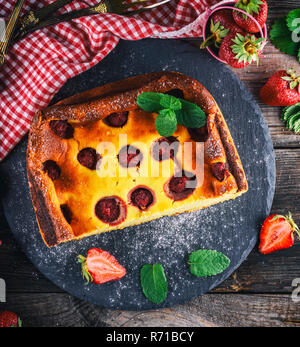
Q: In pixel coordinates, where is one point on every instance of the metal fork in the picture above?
(32, 18)
(106, 6)
(6, 37)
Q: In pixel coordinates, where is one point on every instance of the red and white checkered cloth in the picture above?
(39, 65)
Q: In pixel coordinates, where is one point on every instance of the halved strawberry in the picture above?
(100, 267)
(9, 319)
(277, 233)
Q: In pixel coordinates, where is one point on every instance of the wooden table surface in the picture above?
(257, 294)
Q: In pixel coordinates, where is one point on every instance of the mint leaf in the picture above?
(281, 37)
(171, 110)
(150, 102)
(293, 19)
(170, 102)
(154, 283)
(166, 123)
(205, 262)
(190, 115)
(298, 55)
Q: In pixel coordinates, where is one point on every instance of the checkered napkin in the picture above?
(39, 65)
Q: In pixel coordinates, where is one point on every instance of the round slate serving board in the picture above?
(231, 227)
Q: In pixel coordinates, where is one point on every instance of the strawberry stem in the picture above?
(218, 32)
(85, 273)
(247, 48)
(289, 218)
(293, 80)
(294, 226)
(249, 6)
(208, 42)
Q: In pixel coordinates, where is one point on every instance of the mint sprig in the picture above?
(292, 19)
(166, 122)
(283, 33)
(171, 111)
(190, 115)
(170, 102)
(150, 102)
(154, 283)
(281, 37)
(206, 262)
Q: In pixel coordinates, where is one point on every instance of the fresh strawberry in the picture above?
(225, 18)
(282, 89)
(277, 233)
(99, 267)
(241, 49)
(9, 319)
(221, 24)
(258, 9)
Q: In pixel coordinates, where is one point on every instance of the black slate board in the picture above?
(231, 227)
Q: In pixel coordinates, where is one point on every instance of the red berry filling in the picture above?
(179, 187)
(116, 120)
(130, 156)
(111, 210)
(165, 148)
(52, 169)
(62, 128)
(142, 198)
(199, 134)
(88, 157)
(219, 171)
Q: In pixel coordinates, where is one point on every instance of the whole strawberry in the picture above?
(282, 89)
(9, 319)
(221, 24)
(241, 49)
(225, 18)
(277, 233)
(257, 9)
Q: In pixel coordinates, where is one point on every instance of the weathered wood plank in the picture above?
(230, 310)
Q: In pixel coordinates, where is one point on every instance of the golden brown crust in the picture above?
(99, 103)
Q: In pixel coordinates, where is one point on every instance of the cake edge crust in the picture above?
(53, 227)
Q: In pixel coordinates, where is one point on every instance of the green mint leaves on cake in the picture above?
(206, 262)
(154, 283)
(171, 111)
(166, 122)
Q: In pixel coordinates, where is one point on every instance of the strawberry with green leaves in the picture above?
(258, 9)
(9, 320)
(241, 49)
(221, 24)
(277, 232)
(100, 267)
(282, 89)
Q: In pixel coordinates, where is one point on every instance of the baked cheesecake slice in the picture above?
(96, 162)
